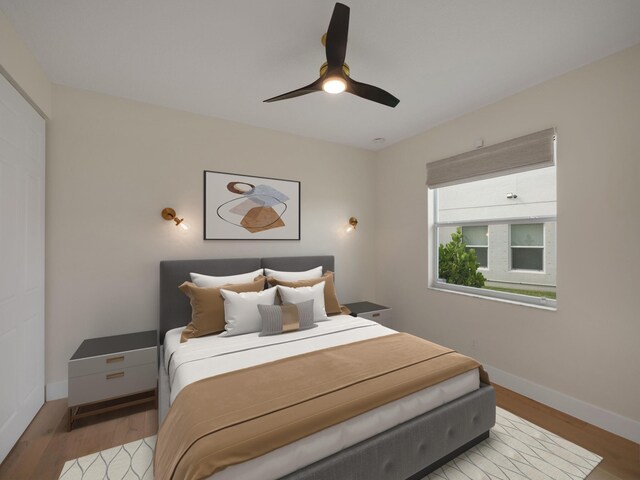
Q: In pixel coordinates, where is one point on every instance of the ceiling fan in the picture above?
(334, 73)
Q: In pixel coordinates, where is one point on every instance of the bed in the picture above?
(404, 439)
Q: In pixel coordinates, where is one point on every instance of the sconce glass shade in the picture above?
(353, 223)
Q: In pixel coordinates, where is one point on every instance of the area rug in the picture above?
(515, 450)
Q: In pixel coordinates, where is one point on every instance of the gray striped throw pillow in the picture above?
(285, 318)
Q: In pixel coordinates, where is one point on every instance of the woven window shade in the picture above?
(529, 152)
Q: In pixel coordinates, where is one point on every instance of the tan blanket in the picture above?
(234, 417)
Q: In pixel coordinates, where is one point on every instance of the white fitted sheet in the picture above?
(208, 356)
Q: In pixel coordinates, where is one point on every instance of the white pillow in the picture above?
(302, 294)
(241, 314)
(294, 276)
(209, 281)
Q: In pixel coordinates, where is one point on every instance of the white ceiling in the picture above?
(441, 58)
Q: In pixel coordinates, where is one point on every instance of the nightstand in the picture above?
(109, 373)
(371, 311)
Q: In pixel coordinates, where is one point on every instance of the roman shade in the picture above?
(536, 150)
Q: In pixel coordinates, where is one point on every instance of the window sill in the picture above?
(495, 299)
(533, 272)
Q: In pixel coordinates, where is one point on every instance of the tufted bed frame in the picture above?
(407, 451)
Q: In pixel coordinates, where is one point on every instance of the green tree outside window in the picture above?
(458, 265)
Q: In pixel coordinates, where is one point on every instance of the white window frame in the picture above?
(544, 242)
(475, 247)
(436, 284)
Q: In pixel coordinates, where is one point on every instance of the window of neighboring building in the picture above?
(527, 247)
(476, 238)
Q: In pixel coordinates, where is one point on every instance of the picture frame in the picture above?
(249, 207)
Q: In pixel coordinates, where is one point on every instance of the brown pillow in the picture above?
(207, 306)
(331, 303)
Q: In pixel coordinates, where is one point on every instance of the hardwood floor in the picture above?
(621, 457)
(46, 444)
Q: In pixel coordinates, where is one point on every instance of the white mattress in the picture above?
(208, 356)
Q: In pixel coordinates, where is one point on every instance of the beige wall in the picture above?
(113, 164)
(587, 349)
(20, 67)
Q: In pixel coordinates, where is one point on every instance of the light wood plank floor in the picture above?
(46, 445)
(621, 457)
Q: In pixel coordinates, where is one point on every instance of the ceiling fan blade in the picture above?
(369, 92)
(312, 87)
(337, 34)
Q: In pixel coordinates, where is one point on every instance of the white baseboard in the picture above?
(605, 419)
(56, 390)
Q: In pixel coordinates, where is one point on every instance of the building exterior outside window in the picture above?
(510, 223)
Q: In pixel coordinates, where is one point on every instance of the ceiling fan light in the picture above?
(334, 85)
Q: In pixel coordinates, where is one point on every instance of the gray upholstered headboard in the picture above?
(175, 310)
(298, 264)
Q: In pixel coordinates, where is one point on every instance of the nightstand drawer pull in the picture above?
(111, 376)
(375, 315)
(115, 359)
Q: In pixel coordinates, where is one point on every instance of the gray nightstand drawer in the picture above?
(111, 384)
(113, 361)
(383, 317)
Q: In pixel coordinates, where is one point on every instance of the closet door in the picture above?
(22, 167)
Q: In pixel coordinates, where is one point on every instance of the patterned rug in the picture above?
(516, 450)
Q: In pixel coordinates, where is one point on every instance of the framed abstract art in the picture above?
(245, 207)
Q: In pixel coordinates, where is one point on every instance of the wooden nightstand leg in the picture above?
(70, 425)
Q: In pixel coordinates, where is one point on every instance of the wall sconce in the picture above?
(170, 214)
(353, 223)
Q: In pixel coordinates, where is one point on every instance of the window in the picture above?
(494, 233)
(527, 247)
(476, 238)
